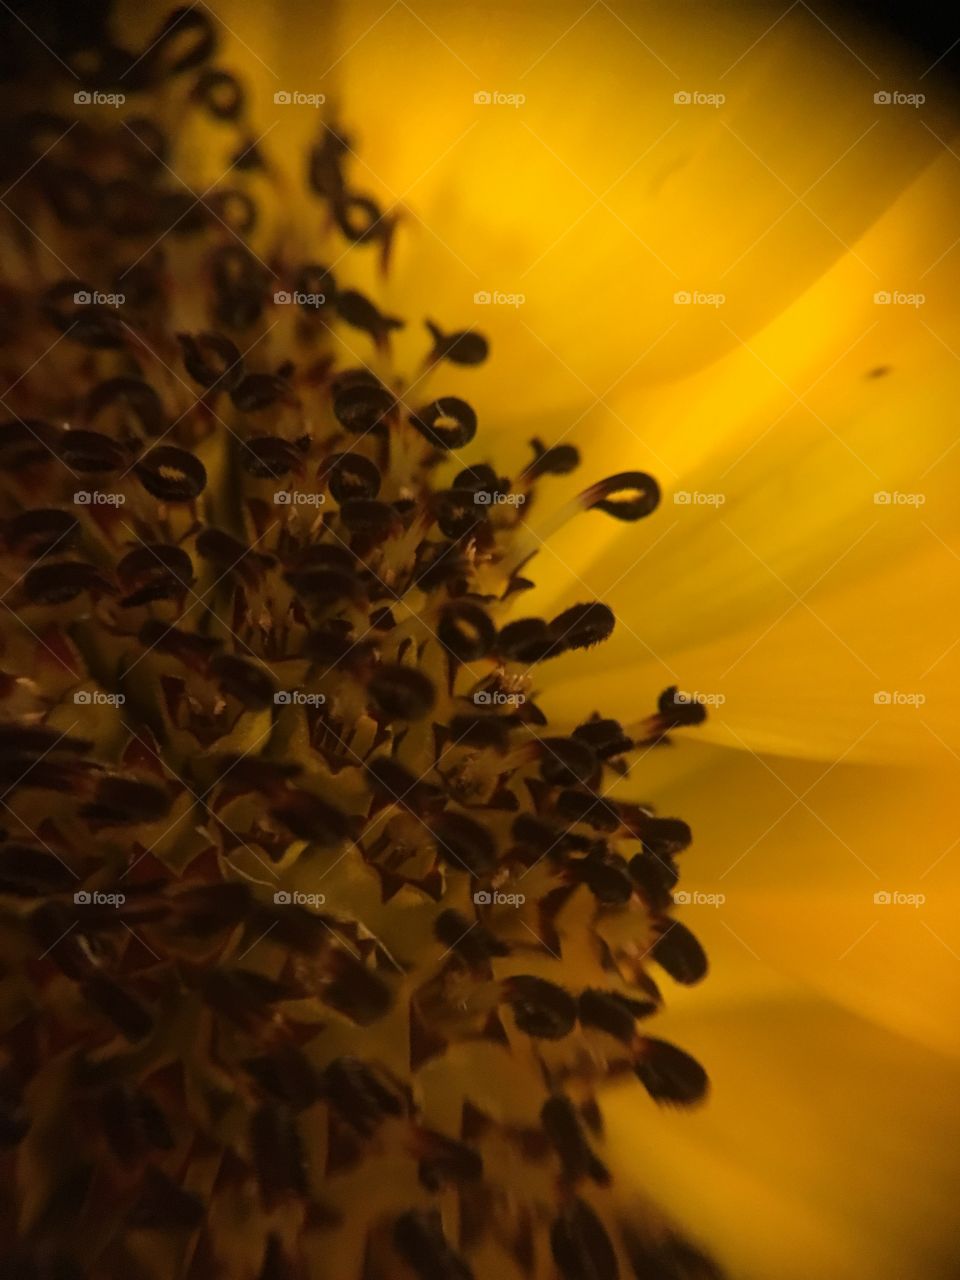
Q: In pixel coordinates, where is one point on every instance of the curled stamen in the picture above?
(449, 423)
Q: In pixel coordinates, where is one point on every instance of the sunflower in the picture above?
(366, 370)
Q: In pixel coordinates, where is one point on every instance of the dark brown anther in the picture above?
(670, 1258)
(125, 1011)
(526, 640)
(229, 554)
(664, 837)
(143, 412)
(464, 347)
(629, 495)
(359, 218)
(259, 391)
(679, 952)
(473, 479)
(156, 572)
(457, 513)
(243, 679)
(558, 461)
(358, 311)
(248, 158)
(181, 213)
(211, 359)
(446, 1161)
(130, 208)
(234, 209)
(541, 1009)
(466, 631)
(612, 1012)
(310, 818)
(352, 989)
(208, 908)
(277, 1153)
(321, 588)
(420, 1242)
(605, 737)
(25, 443)
(676, 709)
(362, 1094)
(31, 872)
(449, 423)
(372, 520)
(471, 941)
(63, 580)
(269, 457)
(90, 451)
(315, 289)
(149, 147)
(582, 626)
(669, 1074)
(393, 783)
(363, 406)
(402, 693)
(33, 534)
(656, 877)
(185, 40)
(580, 1245)
(69, 308)
(288, 1074)
(606, 877)
(481, 730)
(120, 800)
(163, 1205)
(350, 476)
(72, 194)
(171, 475)
(220, 93)
(580, 806)
(566, 762)
(463, 843)
(239, 280)
(561, 1124)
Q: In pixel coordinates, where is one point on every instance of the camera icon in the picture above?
(882, 898)
(882, 98)
(682, 98)
(82, 98)
(282, 297)
(683, 497)
(482, 498)
(483, 698)
(282, 898)
(882, 698)
(482, 299)
(682, 898)
(883, 498)
(482, 98)
(82, 498)
(282, 98)
(683, 298)
(283, 498)
(81, 898)
(282, 698)
(483, 898)
(82, 299)
(883, 298)
(82, 698)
